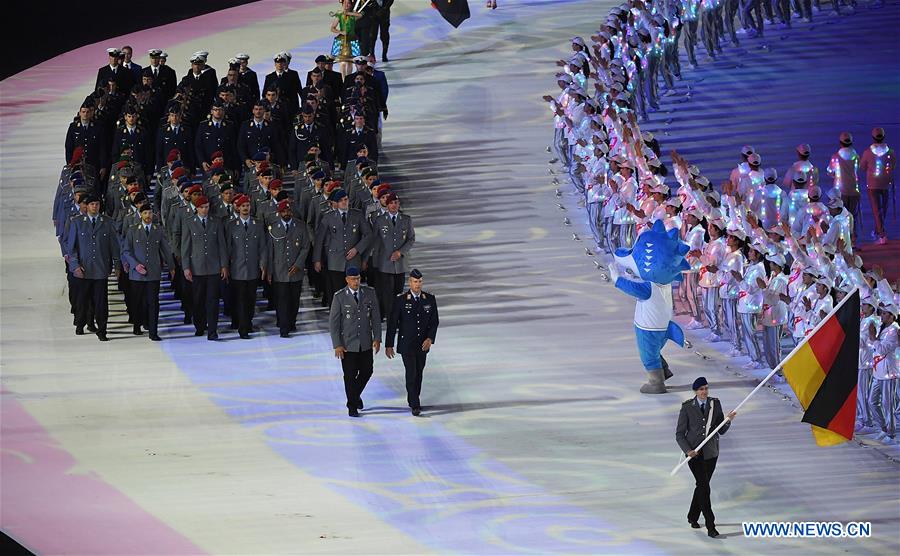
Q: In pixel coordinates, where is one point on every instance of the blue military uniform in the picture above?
(413, 320)
(215, 136)
(256, 136)
(175, 137)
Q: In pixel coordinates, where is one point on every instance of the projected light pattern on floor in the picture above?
(414, 473)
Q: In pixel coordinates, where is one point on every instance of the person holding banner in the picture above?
(697, 417)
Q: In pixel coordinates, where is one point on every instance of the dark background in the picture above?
(41, 30)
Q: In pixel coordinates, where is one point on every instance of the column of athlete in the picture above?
(765, 256)
(191, 180)
(641, 40)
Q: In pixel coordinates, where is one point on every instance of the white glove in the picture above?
(613, 272)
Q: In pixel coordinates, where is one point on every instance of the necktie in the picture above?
(393, 220)
(356, 296)
(203, 221)
(147, 230)
(217, 125)
(344, 217)
(176, 130)
(702, 407)
(246, 227)
(93, 222)
(155, 72)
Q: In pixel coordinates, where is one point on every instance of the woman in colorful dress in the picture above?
(346, 44)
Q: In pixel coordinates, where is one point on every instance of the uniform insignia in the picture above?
(408, 296)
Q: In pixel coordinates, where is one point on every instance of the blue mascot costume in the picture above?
(655, 261)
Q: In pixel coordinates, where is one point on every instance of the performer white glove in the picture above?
(613, 272)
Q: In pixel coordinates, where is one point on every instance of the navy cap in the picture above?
(414, 273)
(259, 156)
(91, 198)
(177, 164)
(225, 186)
(701, 381)
(361, 159)
(351, 270)
(321, 58)
(337, 195)
(307, 109)
(320, 175)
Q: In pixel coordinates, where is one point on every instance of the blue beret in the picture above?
(414, 273)
(184, 182)
(701, 381)
(77, 180)
(352, 271)
(337, 195)
(361, 160)
(259, 156)
(177, 164)
(320, 175)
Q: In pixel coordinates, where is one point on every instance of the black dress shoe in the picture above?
(187, 319)
(352, 412)
(155, 337)
(213, 336)
(136, 330)
(360, 405)
(293, 328)
(245, 336)
(91, 328)
(199, 332)
(416, 411)
(79, 331)
(711, 531)
(694, 525)
(285, 335)
(233, 326)
(384, 58)
(102, 336)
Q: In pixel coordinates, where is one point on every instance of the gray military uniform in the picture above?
(203, 249)
(691, 428)
(148, 249)
(287, 248)
(335, 239)
(94, 249)
(392, 237)
(355, 326)
(246, 248)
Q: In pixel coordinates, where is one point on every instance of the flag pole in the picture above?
(765, 380)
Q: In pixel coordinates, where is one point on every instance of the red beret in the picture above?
(121, 164)
(218, 164)
(331, 186)
(77, 154)
(194, 189)
(201, 200)
(217, 154)
(133, 188)
(174, 155)
(276, 184)
(264, 165)
(178, 172)
(392, 197)
(283, 204)
(383, 189)
(241, 199)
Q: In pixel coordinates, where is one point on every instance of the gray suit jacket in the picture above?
(246, 249)
(180, 215)
(203, 249)
(393, 237)
(149, 250)
(92, 248)
(355, 325)
(691, 428)
(334, 239)
(288, 248)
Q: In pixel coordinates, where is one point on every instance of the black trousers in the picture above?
(381, 24)
(244, 304)
(334, 281)
(365, 28)
(414, 363)
(183, 291)
(357, 366)
(92, 293)
(387, 288)
(132, 306)
(703, 472)
(145, 297)
(287, 304)
(205, 293)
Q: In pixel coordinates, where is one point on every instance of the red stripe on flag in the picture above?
(845, 418)
(826, 343)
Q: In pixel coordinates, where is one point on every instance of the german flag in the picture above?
(454, 11)
(823, 371)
